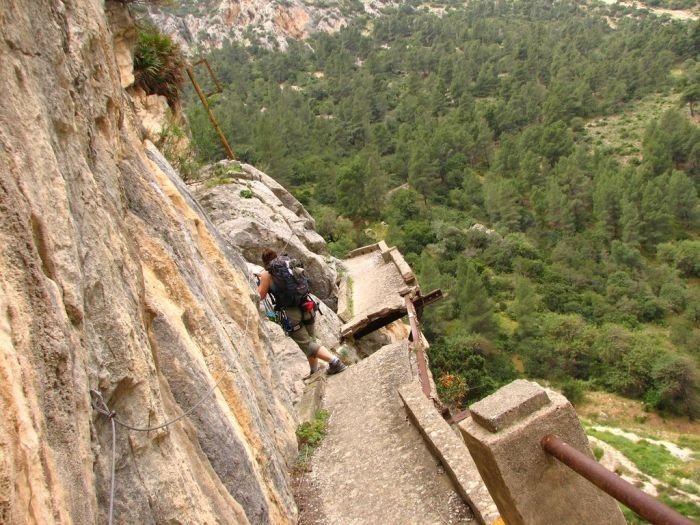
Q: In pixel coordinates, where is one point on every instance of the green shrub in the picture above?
(158, 65)
(247, 193)
(598, 453)
(574, 390)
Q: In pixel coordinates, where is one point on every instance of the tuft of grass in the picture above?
(598, 453)
(225, 175)
(351, 302)
(687, 508)
(309, 436)
(247, 193)
(218, 181)
(690, 442)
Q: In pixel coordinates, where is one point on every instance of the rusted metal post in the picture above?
(643, 504)
(205, 103)
(418, 344)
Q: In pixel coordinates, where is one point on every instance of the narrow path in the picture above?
(373, 466)
(375, 283)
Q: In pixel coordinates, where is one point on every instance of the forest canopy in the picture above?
(470, 141)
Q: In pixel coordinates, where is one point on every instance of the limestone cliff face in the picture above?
(270, 23)
(113, 279)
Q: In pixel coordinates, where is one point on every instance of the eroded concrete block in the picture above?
(528, 486)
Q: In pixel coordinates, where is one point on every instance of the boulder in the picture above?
(254, 212)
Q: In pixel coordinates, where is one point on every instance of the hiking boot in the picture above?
(336, 367)
(315, 373)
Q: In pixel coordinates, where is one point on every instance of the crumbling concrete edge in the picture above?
(312, 399)
(447, 446)
(402, 266)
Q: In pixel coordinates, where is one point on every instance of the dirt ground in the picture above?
(613, 410)
(304, 491)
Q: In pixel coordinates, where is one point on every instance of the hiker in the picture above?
(297, 307)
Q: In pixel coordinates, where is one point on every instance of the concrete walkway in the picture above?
(376, 283)
(371, 294)
(373, 466)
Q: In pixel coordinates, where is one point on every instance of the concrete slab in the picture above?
(373, 465)
(529, 486)
(377, 275)
(311, 399)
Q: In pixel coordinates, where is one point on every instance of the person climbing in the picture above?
(284, 278)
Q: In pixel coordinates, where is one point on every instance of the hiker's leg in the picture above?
(324, 355)
(303, 337)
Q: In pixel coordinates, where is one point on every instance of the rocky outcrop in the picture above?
(113, 280)
(270, 23)
(254, 212)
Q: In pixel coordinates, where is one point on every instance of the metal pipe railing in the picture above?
(640, 502)
(418, 344)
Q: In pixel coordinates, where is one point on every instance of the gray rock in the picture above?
(254, 212)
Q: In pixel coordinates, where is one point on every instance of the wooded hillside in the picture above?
(417, 127)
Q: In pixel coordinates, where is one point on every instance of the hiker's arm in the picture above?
(264, 286)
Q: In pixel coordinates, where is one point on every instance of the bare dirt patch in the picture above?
(612, 410)
(305, 494)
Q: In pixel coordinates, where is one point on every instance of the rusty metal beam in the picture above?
(205, 103)
(378, 323)
(643, 504)
(459, 416)
(418, 345)
(218, 89)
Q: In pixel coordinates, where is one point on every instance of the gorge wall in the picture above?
(114, 280)
(270, 23)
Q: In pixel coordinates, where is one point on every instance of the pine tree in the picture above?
(473, 305)
(525, 307)
(654, 213)
(630, 223)
(683, 199)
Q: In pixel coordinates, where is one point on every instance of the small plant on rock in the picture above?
(309, 436)
(247, 193)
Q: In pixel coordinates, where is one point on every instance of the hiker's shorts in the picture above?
(304, 336)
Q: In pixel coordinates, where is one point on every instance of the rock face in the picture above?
(254, 212)
(269, 23)
(113, 279)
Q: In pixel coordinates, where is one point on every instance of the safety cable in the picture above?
(114, 463)
(100, 405)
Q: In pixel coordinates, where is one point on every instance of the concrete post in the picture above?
(528, 486)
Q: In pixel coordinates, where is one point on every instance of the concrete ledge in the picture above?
(515, 401)
(386, 251)
(447, 446)
(363, 250)
(313, 395)
(344, 302)
(402, 266)
(529, 486)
